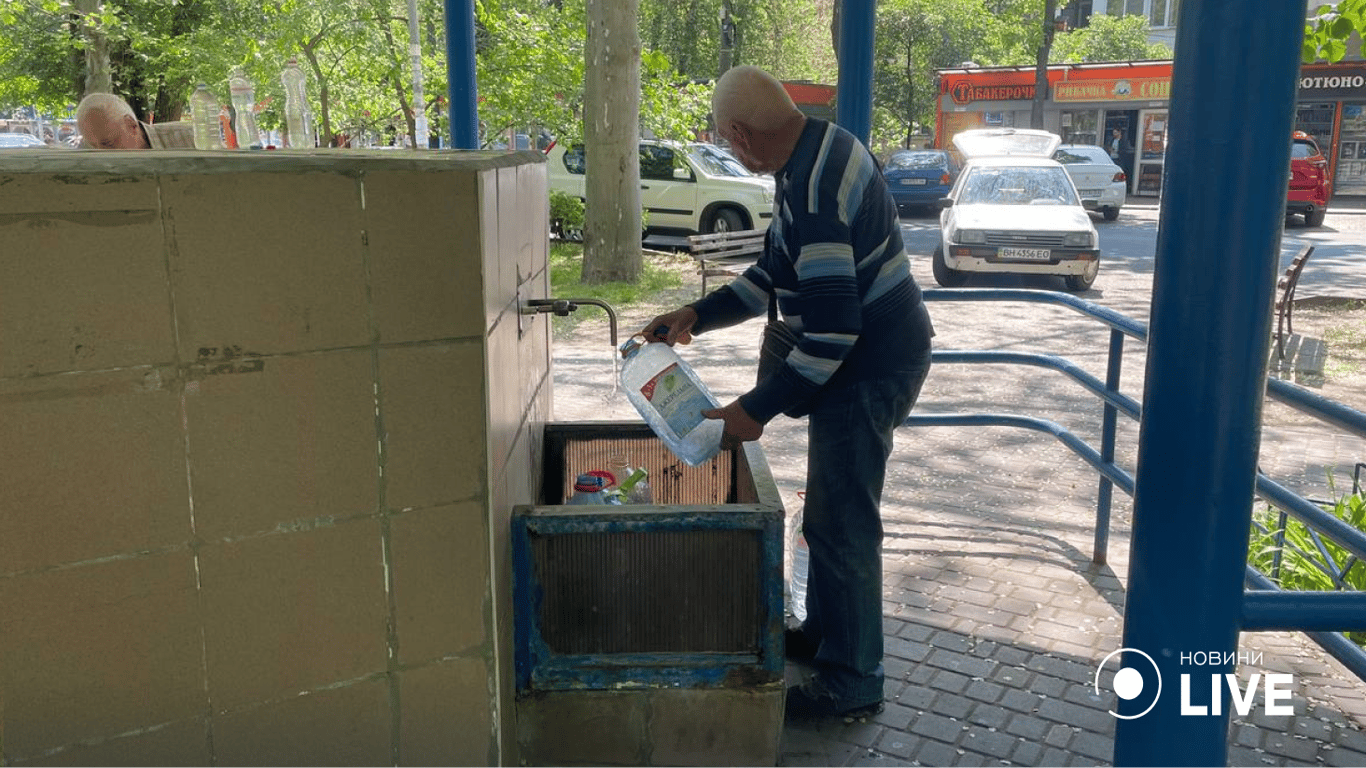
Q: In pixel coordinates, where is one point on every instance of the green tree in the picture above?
(1325, 36)
(1108, 38)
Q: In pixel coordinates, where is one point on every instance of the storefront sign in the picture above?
(1128, 89)
(1341, 81)
(964, 92)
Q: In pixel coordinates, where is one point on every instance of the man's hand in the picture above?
(740, 427)
(677, 324)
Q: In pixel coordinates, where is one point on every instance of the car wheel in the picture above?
(725, 220)
(1111, 213)
(946, 277)
(1085, 279)
(1314, 217)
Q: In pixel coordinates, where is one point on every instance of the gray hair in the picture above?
(112, 106)
(752, 96)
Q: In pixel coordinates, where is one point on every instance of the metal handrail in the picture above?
(1266, 606)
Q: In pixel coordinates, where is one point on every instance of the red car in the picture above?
(1310, 185)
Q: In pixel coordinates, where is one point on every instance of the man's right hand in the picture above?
(672, 328)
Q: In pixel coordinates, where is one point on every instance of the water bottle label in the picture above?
(676, 399)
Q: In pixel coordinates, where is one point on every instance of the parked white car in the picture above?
(1014, 210)
(1101, 184)
(687, 188)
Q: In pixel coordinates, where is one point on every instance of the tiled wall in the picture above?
(262, 421)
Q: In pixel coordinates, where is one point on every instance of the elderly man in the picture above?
(836, 267)
(107, 122)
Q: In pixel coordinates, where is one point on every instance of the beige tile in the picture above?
(293, 612)
(99, 650)
(533, 209)
(285, 439)
(496, 295)
(446, 715)
(505, 389)
(432, 406)
(425, 268)
(282, 273)
(94, 465)
(440, 565)
(82, 290)
(22, 193)
(343, 726)
(512, 237)
(182, 743)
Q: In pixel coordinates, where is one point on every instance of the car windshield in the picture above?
(1082, 155)
(907, 160)
(716, 161)
(1302, 148)
(1017, 186)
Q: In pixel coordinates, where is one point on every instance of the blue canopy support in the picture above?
(854, 99)
(1227, 160)
(460, 67)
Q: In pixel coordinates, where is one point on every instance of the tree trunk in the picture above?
(97, 75)
(1050, 9)
(611, 242)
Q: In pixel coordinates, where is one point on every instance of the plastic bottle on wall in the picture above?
(298, 115)
(204, 115)
(670, 397)
(244, 104)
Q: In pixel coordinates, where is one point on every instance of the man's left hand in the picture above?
(740, 426)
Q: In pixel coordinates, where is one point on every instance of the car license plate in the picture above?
(913, 181)
(1028, 254)
(1089, 192)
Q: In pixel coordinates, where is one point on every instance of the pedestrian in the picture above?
(1118, 146)
(835, 264)
(107, 122)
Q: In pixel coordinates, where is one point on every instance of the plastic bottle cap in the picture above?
(588, 483)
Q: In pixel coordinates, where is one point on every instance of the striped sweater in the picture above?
(835, 259)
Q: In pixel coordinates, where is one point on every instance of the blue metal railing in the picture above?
(1321, 615)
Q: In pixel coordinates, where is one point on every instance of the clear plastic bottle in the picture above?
(298, 115)
(801, 565)
(636, 488)
(591, 488)
(204, 116)
(244, 104)
(670, 397)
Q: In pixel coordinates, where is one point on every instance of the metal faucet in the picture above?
(562, 308)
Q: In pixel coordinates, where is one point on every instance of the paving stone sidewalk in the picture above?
(995, 616)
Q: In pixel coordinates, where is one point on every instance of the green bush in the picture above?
(566, 216)
(1304, 558)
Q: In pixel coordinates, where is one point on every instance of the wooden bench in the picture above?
(1285, 299)
(726, 254)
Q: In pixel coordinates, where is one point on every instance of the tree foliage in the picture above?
(1108, 38)
(1326, 34)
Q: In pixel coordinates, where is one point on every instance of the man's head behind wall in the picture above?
(107, 122)
(750, 107)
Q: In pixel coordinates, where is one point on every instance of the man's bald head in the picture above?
(107, 122)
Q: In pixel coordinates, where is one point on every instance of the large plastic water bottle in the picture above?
(670, 397)
(298, 115)
(204, 116)
(243, 92)
(591, 488)
(801, 565)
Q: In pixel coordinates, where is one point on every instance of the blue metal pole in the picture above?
(460, 70)
(854, 100)
(1226, 165)
(1100, 550)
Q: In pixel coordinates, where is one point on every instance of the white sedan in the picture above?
(1014, 210)
(1101, 183)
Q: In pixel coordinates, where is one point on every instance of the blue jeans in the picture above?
(850, 433)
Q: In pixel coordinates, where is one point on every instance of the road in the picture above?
(1129, 245)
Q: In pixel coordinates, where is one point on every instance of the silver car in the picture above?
(1101, 183)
